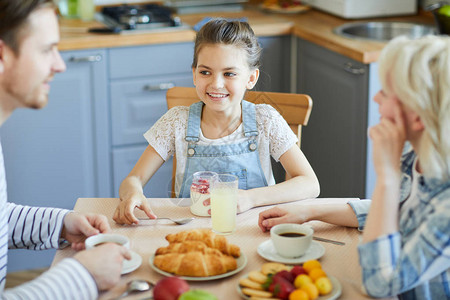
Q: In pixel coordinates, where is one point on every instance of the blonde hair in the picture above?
(418, 73)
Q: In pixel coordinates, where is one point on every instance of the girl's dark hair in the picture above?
(236, 33)
(13, 19)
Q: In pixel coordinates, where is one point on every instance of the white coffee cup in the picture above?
(102, 238)
(291, 240)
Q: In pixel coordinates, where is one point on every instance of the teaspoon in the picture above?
(136, 286)
(177, 221)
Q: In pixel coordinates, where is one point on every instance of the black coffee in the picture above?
(292, 234)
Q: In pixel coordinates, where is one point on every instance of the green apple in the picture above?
(445, 10)
(197, 295)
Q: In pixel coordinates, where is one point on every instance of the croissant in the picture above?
(195, 264)
(211, 239)
(187, 246)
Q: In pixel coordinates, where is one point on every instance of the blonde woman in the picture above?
(406, 240)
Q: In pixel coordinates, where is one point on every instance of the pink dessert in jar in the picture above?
(200, 193)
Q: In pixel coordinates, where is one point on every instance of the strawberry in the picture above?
(286, 275)
(281, 288)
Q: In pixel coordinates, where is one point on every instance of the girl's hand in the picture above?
(388, 139)
(276, 215)
(124, 211)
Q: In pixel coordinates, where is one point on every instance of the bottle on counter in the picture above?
(68, 8)
(86, 10)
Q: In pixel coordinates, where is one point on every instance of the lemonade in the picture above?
(224, 205)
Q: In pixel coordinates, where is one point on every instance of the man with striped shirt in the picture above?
(29, 58)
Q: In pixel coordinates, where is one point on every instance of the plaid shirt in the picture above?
(413, 263)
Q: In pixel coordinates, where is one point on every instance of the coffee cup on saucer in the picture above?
(102, 238)
(291, 240)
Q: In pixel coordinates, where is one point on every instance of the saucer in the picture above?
(132, 264)
(267, 250)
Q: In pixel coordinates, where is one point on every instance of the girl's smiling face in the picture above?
(222, 76)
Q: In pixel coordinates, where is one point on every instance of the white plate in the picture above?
(241, 263)
(267, 251)
(288, 10)
(132, 264)
(334, 294)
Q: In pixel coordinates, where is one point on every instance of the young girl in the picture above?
(406, 240)
(222, 133)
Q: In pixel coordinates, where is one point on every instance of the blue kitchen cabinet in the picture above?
(335, 140)
(139, 79)
(54, 156)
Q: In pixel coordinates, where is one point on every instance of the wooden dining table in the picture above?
(339, 261)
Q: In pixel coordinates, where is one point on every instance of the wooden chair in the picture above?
(295, 108)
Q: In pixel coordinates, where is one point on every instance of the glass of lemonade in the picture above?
(224, 193)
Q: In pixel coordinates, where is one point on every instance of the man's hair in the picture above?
(14, 19)
(418, 73)
(236, 33)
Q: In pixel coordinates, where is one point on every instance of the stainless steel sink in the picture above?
(383, 31)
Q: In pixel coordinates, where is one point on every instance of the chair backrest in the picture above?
(295, 108)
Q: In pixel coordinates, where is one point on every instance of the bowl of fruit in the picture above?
(300, 282)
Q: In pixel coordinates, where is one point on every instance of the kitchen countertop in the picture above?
(313, 25)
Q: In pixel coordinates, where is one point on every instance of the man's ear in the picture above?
(253, 79)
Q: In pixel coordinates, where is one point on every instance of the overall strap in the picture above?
(193, 126)
(249, 118)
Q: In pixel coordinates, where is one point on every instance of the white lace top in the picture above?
(167, 135)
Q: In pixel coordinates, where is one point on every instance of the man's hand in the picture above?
(78, 227)
(104, 263)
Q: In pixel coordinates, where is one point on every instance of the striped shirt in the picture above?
(414, 262)
(39, 228)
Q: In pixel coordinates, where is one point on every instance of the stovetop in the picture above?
(137, 18)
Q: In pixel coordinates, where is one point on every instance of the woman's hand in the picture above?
(276, 215)
(124, 211)
(388, 139)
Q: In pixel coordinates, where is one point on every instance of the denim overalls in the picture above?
(240, 159)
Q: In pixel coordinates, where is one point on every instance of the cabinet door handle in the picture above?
(158, 87)
(349, 67)
(90, 58)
